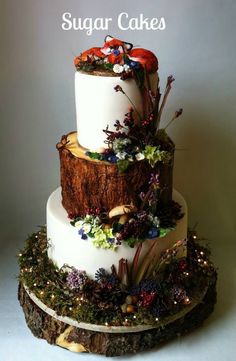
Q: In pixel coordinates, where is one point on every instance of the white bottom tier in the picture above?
(67, 247)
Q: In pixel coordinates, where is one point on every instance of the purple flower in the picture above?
(142, 216)
(142, 196)
(154, 180)
(75, 278)
(179, 293)
(82, 234)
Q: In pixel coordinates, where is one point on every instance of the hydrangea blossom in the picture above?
(120, 143)
(75, 278)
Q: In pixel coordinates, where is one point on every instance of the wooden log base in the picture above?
(77, 339)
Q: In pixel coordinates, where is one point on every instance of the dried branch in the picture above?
(170, 80)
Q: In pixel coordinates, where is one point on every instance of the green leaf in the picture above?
(117, 227)
(153, 154)
(122, 165)
(132, 241)
(163, 232)
(108, 66)
(95, 155)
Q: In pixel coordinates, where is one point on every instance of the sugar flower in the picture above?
(75, 278)
(117, 68)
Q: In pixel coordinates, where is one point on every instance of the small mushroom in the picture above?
(121, 210)
(123, 219)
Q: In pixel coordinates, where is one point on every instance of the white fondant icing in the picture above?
(67, 247)
(98, 105)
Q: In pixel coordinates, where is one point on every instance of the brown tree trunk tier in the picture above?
(76, 339)
(89, 183)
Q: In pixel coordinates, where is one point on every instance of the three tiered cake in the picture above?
(115, 270)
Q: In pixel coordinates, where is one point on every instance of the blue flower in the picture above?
(134, 64)
(111, 240)
(153, 232)
(112, 158)
(116, 52)
(82, 233)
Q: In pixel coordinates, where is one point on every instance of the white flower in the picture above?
(156, 221)
(79, 224)
(126, 67)
(117, 68)
(86, 227)
(121, 155)
(119, 144)
(139, 156)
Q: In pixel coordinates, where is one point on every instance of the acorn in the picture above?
(128, 300)
(130, 309)
(124, 308)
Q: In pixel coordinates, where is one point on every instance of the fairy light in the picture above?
(35, 284)
(70, 308)
(205, 263)
(134, 316)
(52, 296)
(194, 237)
(186, 300)
(106, 323)
(41, 293)
(201, 253)
(48, 282)
(126, 320)
(175, 302)
(157, 319)
(20, 255)
(81, 298)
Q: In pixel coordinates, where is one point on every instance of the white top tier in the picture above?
(98, 105)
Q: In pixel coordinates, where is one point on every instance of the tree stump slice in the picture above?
(89, 183)
(77, 339)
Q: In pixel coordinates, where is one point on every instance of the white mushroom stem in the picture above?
(121, 210)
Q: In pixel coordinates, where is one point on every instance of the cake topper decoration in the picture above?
(118, 56)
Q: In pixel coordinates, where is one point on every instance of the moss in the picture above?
(99, 303)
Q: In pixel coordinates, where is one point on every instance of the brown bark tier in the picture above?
(90, 183)
(73, 338)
